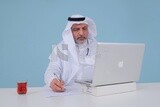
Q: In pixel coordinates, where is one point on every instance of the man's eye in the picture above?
(75, 29)
(85, 28)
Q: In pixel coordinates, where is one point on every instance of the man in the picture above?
(73, 58)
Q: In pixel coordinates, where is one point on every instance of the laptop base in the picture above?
(110, 89)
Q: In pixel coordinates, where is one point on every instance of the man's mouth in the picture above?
(81, 38)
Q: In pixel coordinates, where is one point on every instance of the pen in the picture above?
(87, 51)
(57, 77)
(62, 85)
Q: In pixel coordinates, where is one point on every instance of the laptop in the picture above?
(116, 63)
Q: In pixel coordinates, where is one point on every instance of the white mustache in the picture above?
(81, 38)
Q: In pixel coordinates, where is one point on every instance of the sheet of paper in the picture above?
(69, 90)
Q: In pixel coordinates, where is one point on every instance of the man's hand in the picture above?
(57, 86)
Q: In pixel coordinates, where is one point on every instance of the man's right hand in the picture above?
(57, 86)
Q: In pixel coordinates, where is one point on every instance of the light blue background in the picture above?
(28, 28)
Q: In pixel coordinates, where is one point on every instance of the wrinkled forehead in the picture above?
(75, 23)
(79, 25)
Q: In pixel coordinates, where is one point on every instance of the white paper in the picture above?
(69, 90)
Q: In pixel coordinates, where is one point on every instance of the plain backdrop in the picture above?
(28, 28)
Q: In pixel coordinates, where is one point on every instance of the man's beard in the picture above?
(80, 40)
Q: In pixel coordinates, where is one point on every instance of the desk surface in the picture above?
(147, 95)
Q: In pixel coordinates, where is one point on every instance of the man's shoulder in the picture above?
(60, 46)
(92, 42)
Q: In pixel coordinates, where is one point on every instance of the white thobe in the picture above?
(86, 57)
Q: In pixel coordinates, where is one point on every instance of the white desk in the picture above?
(147, 95)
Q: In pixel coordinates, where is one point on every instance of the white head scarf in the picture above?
(69, 40)
(91, 25)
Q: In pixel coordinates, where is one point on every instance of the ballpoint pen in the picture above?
(57, 77)
(87, 51)
(62, 87)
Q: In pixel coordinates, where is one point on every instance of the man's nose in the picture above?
(81, 32)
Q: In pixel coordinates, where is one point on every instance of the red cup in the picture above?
(22, 87)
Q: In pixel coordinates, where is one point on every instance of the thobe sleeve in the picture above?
(54, 67)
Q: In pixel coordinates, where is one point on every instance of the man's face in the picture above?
(80, 32)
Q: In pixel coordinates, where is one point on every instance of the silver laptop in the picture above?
(117, 63)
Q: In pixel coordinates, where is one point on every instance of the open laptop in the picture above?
(116, 63)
